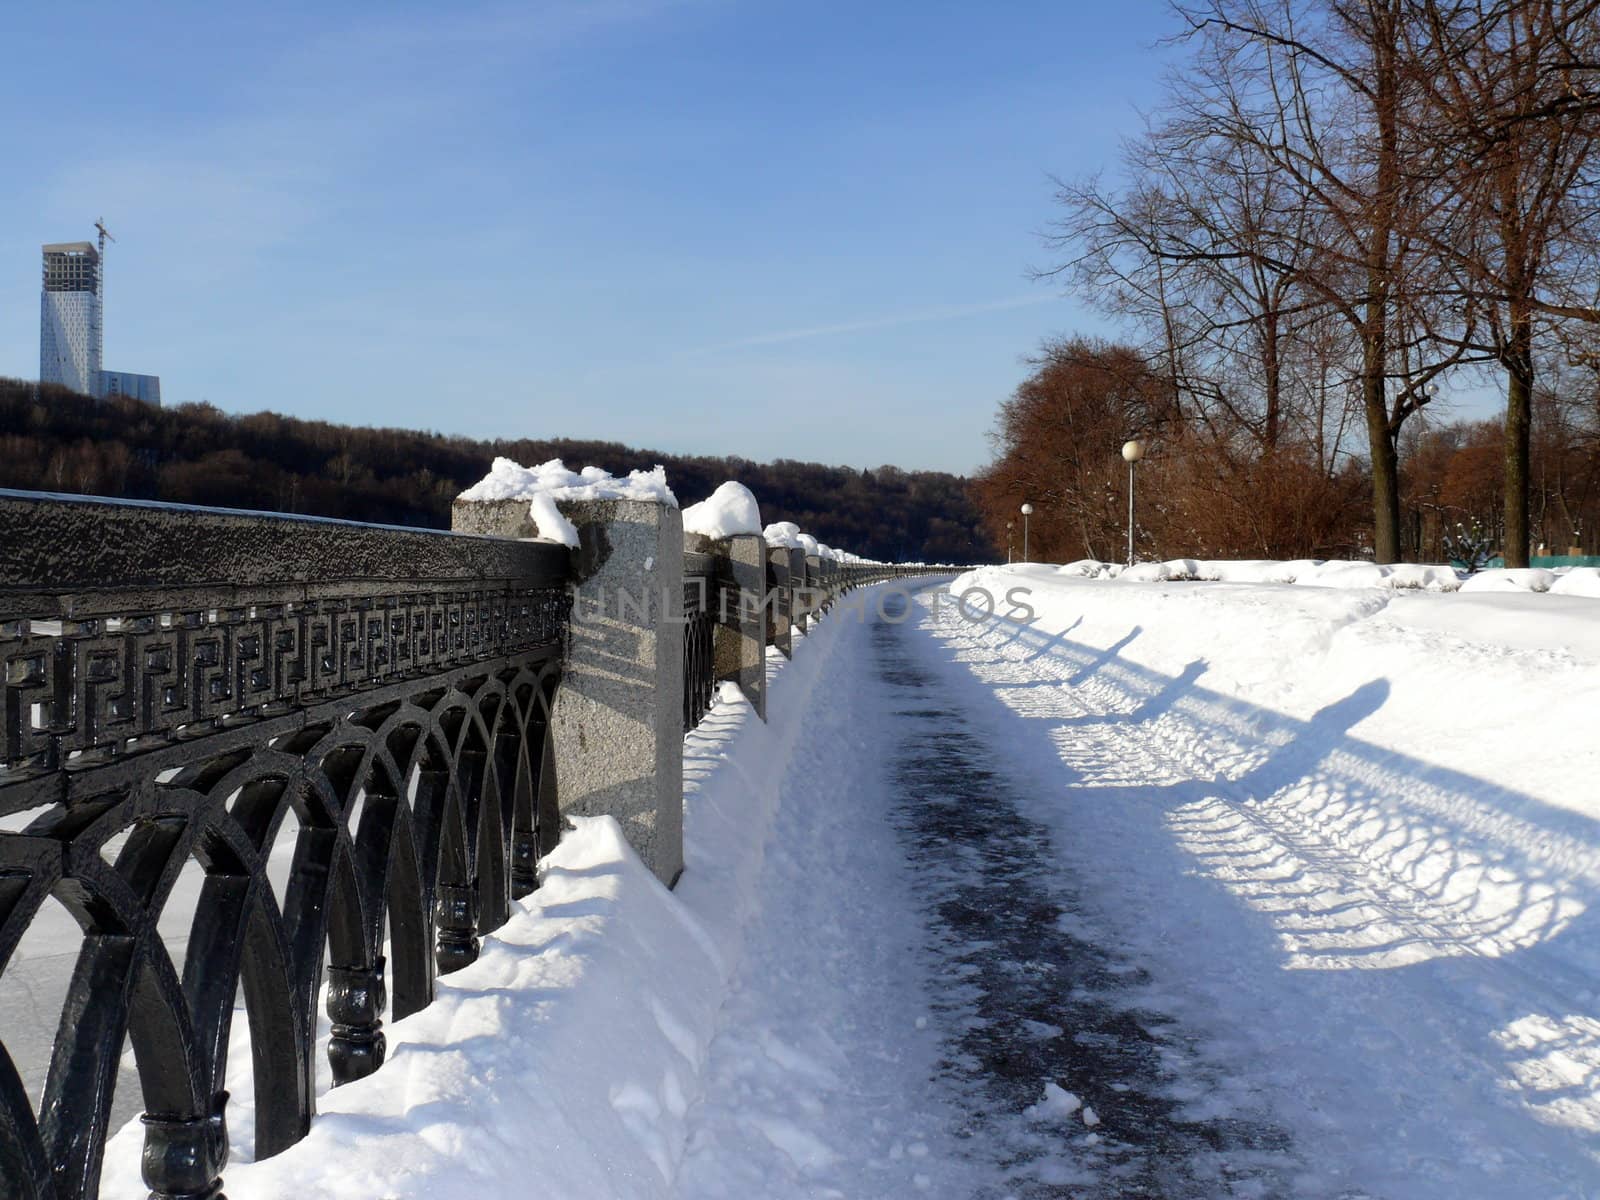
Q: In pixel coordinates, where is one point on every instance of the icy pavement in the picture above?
(924, 1008)
(1067, 1084)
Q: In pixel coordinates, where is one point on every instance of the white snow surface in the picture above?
(730, 510)
(1331, 573)
(1339, 573)
(546, 484)
(1578, 581)
(1512, 579)
(1353, 836)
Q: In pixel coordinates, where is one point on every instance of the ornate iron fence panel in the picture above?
(191, 688)
(702, 597)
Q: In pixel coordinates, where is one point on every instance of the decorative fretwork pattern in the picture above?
(79, 693)
(383, 744)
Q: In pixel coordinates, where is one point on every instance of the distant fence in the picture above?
(1550, 561)
(197, 700)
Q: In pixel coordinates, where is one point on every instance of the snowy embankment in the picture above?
(1466, 671)
(1353, 836)
(565, 1060)
(1341, 573)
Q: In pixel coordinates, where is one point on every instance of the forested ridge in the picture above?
(56, 440)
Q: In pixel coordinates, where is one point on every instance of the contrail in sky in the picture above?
(947, 313)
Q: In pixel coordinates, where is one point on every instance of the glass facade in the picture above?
(69, 340)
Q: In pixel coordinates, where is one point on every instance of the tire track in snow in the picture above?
(1168, 751)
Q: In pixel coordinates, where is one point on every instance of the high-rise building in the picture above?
(71, 329)
(69, 318)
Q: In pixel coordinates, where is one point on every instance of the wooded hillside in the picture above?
(55, 440)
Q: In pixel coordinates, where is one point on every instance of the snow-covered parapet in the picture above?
(544, 486)
(786, 534)
(783, 534)
(788, 548)
(732, 510)
(727, 524)
(728, 511)
(616, 722)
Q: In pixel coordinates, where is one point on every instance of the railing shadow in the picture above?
(1055, 640)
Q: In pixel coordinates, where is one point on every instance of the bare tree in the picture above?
(1506, 107)
(1318, 88)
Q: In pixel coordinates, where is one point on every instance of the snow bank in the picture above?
(730, 510)
(1458, 665)
(572, 1051)
(1578, 581)
(1156, 572)
(1510, 579)
(549, 482)
(1339, 574)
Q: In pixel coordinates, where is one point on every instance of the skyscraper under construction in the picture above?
(71, 329)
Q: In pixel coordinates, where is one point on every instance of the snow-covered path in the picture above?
(919, 972)
(1274, 958)
(1066, 1079)
(818, 1079)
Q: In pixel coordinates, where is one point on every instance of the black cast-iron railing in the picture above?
(796, 588)
(704, 607)
(190, 687)
(335, 736)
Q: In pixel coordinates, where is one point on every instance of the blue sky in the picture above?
(773, 230)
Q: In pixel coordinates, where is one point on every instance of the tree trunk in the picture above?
(1380, 435)
(1273, 368)
(1519, 422)
(1385, 475)
(1381, 432)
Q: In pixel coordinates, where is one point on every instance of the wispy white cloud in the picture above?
(922, 316)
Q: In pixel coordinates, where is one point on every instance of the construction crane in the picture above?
(97, 313)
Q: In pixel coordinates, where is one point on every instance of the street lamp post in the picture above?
(1027, 511)
(1131, 451)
